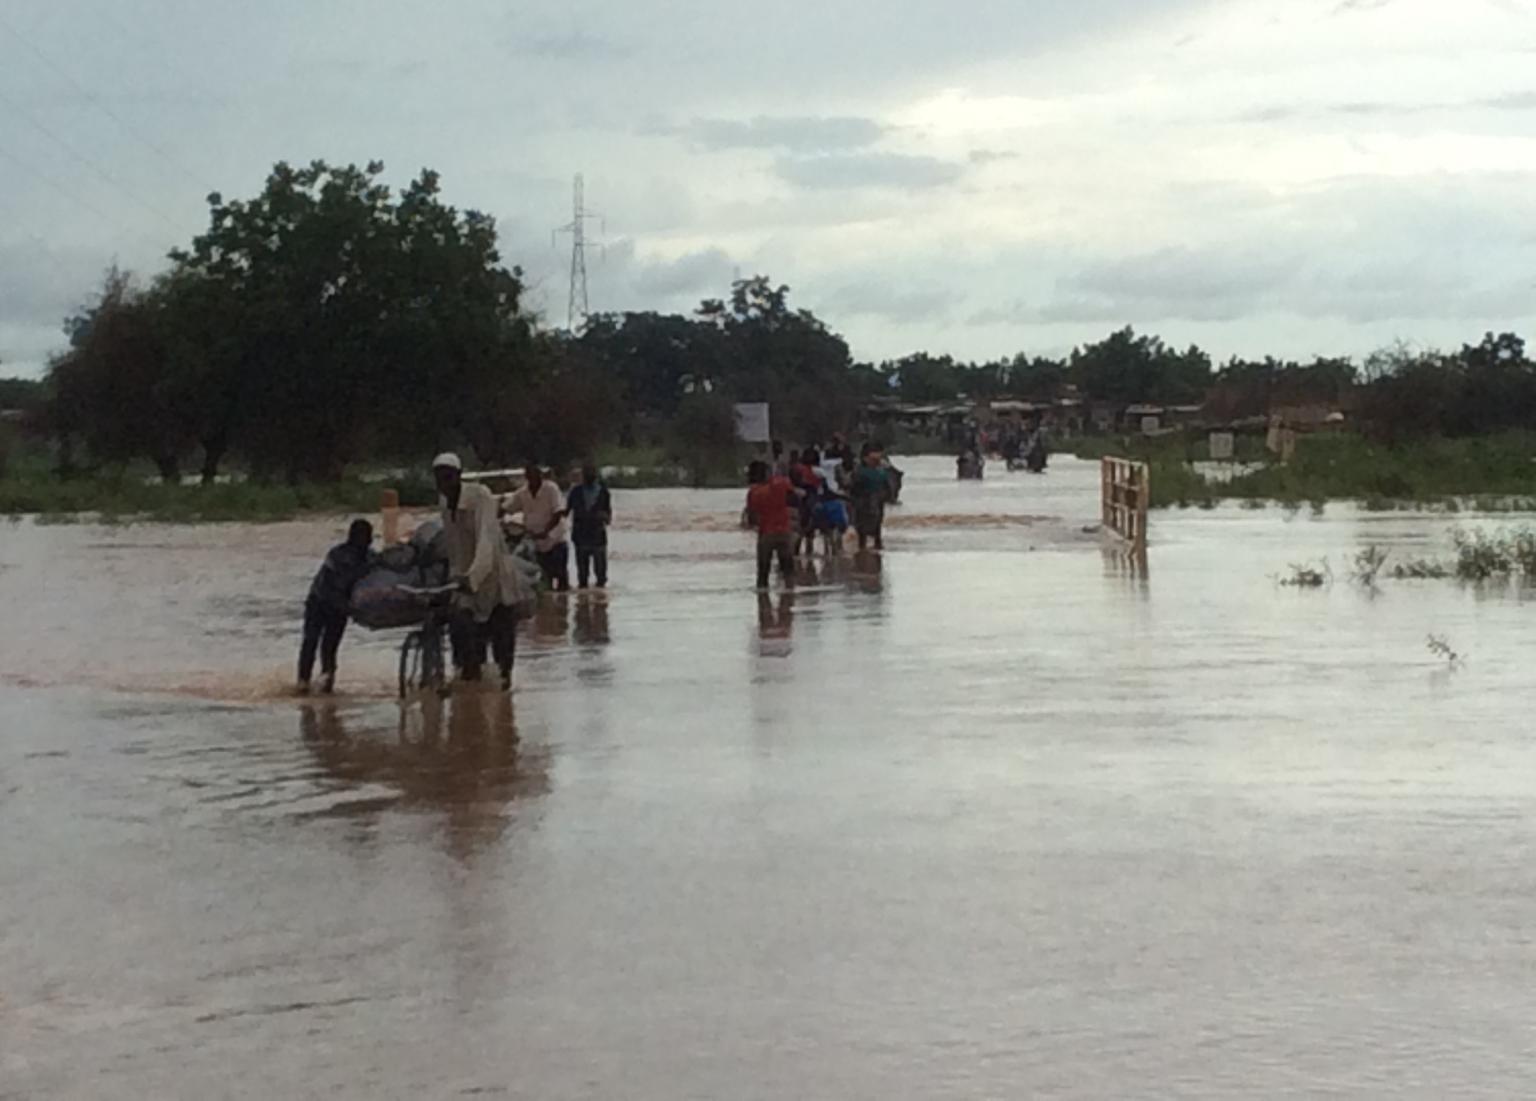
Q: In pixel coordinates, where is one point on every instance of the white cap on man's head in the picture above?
(449, 460)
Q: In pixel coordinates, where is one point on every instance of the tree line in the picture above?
(330, 321)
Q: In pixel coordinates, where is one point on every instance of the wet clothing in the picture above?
(769, 505)
(477, 550)
(323, 628)
(1036, 453)
(589, 559)
(539, 511)
(780, 545)
(339, 574)
(591, 510)
(326, 606)
(807, 479)
(471, 639)
(832, 515)
(555, 563)
(871, 482)
(871, 490)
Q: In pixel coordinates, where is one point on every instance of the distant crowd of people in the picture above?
(1022, 446)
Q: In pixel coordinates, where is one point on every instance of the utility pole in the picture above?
(577, 308)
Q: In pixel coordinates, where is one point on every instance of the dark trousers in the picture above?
(470, 640)
(868, 520)
(323, 629)
(591, 559)
(555, 564)
(770, 547)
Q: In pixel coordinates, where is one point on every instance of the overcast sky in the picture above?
(976, 177)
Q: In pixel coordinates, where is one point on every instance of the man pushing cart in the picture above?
(490, 588)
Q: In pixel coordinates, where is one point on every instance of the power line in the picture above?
(58, 186)
(97, 102)
(152, 48)
(66, 276)
(86, 160)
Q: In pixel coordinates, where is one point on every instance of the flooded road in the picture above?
(1000, 819)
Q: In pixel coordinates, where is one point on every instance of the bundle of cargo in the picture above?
(381, 599)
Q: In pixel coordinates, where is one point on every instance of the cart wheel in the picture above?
(433, 673)
(411, 664)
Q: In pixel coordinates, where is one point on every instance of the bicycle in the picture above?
(423, 655)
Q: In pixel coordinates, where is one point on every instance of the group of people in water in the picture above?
(1023, 447)
(795, 501)
(491, 586)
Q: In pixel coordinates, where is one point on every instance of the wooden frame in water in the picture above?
(1126, 492)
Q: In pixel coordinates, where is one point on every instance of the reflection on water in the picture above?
(460, 756)
(1122, 562)
(776, 624)
(591, 627)
(552, 617)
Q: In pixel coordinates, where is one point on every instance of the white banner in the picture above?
(752, 422)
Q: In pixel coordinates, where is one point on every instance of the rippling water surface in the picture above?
(992, 817)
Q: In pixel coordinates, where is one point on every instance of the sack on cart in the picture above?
(380, 601)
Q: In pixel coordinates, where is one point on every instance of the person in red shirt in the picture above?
(771, 506)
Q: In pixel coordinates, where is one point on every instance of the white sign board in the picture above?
(752, 422)
(1223, 446)
(1151, 426)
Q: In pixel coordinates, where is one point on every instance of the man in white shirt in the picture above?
(485, 611)
(543, 508)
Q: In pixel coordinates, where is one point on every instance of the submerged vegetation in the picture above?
(1477, 474)
(1307, 575)
(1480, 556)
(1442, 648)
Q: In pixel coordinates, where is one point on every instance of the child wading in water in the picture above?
(330, 597)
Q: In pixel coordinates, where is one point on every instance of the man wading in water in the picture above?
(591, 511)
(479, 561)
(770, 502)
(543, 508)
(871, 490)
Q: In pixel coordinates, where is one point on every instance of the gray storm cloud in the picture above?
(978, 178)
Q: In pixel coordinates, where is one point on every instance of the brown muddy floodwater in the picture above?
(998, 821)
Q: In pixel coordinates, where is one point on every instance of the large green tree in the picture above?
(111, 391)
(325, 319)
(1125, 368)
(786, 357)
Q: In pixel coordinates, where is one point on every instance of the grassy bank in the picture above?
(134, 496)
(1490, 472)
(653, 468)
(121, 499)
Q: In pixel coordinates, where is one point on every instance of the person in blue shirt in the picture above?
(591, 511)
(330, 597)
